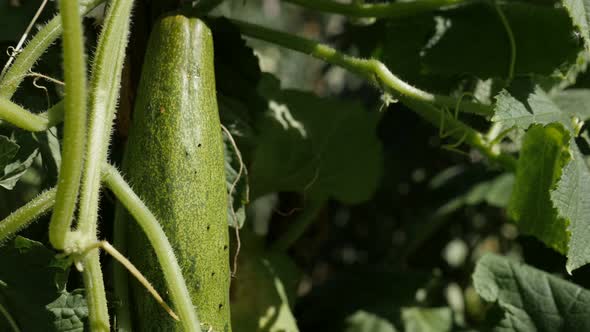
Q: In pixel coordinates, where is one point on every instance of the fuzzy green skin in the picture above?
(174, 162)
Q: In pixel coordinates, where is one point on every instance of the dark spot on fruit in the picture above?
(199, 145)
(208, 227)
(220, 306)
(212, 274)
(225, 247)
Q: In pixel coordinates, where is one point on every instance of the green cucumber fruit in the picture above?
(174, 162)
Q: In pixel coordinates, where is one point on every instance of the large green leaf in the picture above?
(32, 289)
(575, 102)
(474, 41)
(534, 108)
(571, 197)
(260, 291)
(530, 299)
(324, 148)
(544, 153)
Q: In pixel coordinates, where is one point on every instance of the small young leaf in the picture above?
(531, 300)
(545, 152)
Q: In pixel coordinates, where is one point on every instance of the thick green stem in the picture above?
(148, 222)
(377, 10)
(74, 62)
(21, 118)
(106, 79)
(370, 69)
(98, 313)
(298, 227)
(25, 215)
(377, 73)
(34, 49)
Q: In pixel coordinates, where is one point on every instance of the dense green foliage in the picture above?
(428, 171)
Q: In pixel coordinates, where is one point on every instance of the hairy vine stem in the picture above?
(378, 10)
(374, 71)
(11, 80)
(106, 79)
(21, 118)
(74, 137)
(370, 69)
(148, 222)
(25, 215)
(105, 82)
(98, 313)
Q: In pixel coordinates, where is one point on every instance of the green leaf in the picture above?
(495, 192)
(70, 312)
(579, 11)
(575, 102)
(474, 41)
(571, 197)
(14, 171)
(418, 319)
(324, 148)
(545, 152)
(32, 288)
(238, 194)
(530, 299)
(362, 321)
(537, 108)
(259, 294)
(8, 150)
